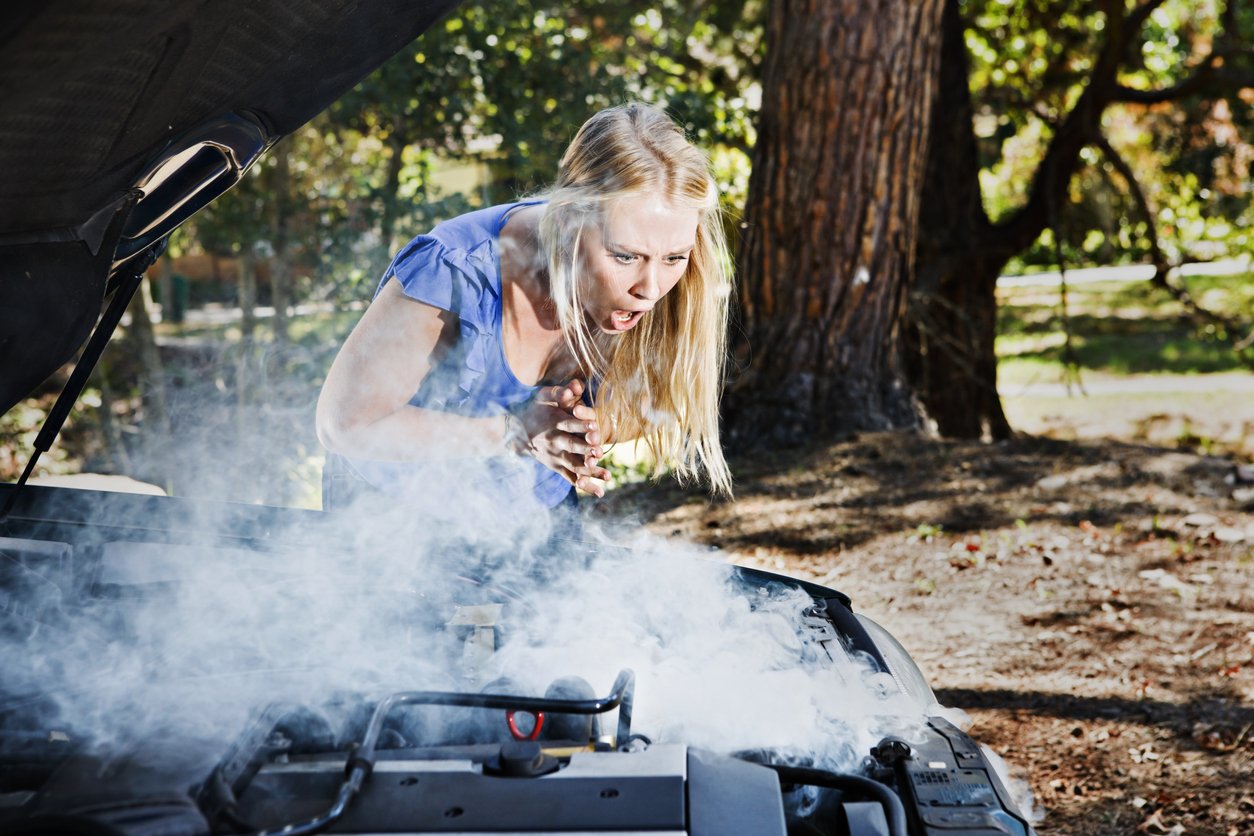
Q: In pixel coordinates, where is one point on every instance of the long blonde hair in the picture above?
(661, 380)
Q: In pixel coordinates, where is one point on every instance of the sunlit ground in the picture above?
(1216, 422)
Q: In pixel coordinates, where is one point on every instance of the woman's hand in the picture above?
(561, 432)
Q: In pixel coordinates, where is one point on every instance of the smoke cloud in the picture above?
(194, 640)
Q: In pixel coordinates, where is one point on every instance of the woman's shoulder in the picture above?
(455, 266)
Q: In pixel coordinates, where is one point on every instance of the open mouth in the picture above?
(624, 320)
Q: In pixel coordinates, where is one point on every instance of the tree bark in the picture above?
(390, 193)
(833, 205)
(952, 316)
(246, 291)
(152, 389)
(115, 444)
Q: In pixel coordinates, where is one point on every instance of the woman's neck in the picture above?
(531, 333)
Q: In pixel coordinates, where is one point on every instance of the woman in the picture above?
(528, 336)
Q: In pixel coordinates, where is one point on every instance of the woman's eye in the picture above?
(676, 259)
(624, 258)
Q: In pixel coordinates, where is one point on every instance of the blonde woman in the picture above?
(527, 337)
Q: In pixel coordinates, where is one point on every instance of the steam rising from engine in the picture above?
(194, 641)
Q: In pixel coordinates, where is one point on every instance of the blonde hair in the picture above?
(661, 380)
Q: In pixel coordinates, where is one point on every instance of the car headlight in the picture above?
(903, 669)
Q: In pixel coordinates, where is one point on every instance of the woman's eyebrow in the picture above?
(619, 248)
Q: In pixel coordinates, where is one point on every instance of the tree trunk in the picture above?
(281, 268)
(151, 388)
(165, 281)
(391, 209)
(246, 292)
(952, 312)
(831, 218)
(115, 444)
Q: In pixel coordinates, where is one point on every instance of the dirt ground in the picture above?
(1088, 603)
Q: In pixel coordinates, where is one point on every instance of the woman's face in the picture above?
(637, 255)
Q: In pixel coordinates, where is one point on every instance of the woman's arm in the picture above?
(364, 411)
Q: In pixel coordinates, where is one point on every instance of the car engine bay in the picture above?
(488, 752)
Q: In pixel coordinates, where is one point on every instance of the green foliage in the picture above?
(1029, 62)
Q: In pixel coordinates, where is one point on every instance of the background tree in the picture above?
(831, 217)
(1047, 77)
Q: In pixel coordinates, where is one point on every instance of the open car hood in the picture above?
(120, 120)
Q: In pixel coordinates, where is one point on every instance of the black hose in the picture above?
(361, 760)
(348, 789)
(893, 808)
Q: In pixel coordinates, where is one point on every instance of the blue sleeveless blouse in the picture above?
(457, 268)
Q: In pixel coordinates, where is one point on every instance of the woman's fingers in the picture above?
(590, 482)
(582, 472)
(573, 443)
(556, 396)
(565, 395)
(588, 466)
(591, 486)
(577, 426)
(584, 465)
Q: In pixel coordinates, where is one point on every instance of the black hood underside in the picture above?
(95, 92)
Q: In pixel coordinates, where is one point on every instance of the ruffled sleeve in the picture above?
(465, 283)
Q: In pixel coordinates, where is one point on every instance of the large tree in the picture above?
(831, 216)
(1090, 57)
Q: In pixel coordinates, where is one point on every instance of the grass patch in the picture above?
(1118, 328)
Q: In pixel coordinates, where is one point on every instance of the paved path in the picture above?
(217, 314)
(1239, 383)
(1128, 273)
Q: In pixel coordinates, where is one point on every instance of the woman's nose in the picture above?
(646, 286)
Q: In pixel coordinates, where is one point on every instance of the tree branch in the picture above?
(1132, 23)
(1212, 72)
(1074, 131)
(1137, 194)
(1208, 76)
(1231, 328)
(1197, 80)
(1080, 126)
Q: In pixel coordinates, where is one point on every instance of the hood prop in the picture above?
(191, 171)
(125, 282)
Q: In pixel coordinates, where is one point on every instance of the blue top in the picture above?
(457, 268)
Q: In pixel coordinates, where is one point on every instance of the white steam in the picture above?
(196, 640)
(716, 667)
